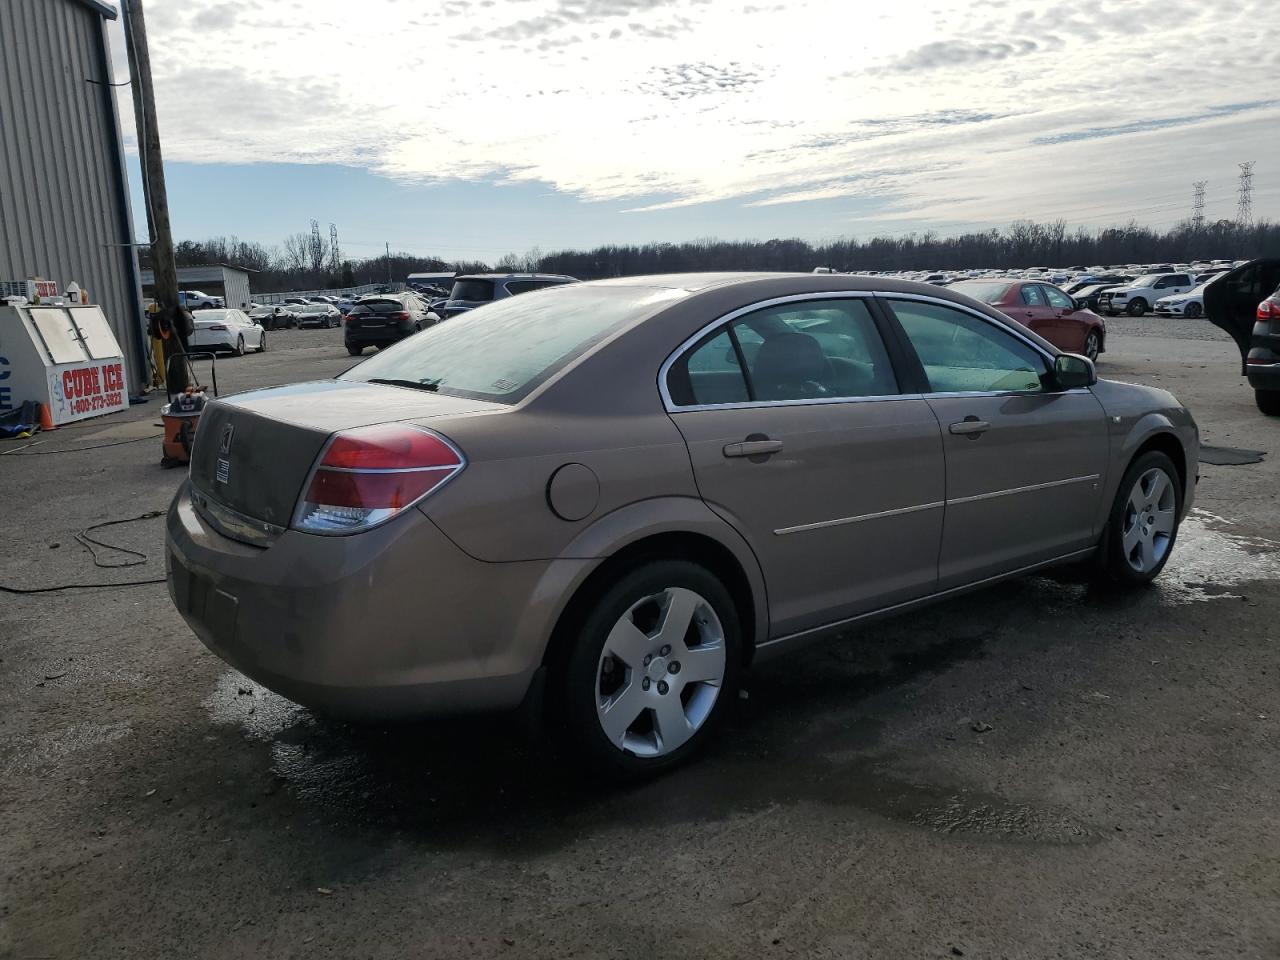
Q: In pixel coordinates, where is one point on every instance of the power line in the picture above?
(1244, 210)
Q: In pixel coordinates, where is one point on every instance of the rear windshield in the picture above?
(502, 351)
(379, 306)
(981, 290)
(477, 291)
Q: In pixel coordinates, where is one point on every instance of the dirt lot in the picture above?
(1124, 803)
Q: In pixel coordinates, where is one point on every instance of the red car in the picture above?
(1044, 308)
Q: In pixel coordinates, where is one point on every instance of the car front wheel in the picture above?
(1137, 307)
(1268, 401)
(1092, 345)
(1143, 524)
(652, 669)
(1192, 311)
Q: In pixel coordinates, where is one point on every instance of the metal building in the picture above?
(216, 279)
(64, 196)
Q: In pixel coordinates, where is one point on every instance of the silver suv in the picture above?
(477, 289)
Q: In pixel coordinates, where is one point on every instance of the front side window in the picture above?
(964, 354)
(807, 350)
(1057, 298)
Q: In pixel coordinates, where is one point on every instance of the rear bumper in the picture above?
(366, 336)
(393, 622)
(1264, 376)
(213, 341)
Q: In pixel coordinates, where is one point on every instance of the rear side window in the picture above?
(1031, 295)
(964, 354)
(808, 350)
(476, 291)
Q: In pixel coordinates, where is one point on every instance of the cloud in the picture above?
(945, 111)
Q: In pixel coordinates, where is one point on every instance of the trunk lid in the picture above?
(1231, 300)
(254, 451)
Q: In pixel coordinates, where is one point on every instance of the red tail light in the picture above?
(216, 326)
(368, 475)
(399, 316)
(1268, 310)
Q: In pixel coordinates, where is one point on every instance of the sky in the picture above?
(473, 128)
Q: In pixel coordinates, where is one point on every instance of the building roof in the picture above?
(101, 7)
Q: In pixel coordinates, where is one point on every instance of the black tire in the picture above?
(1092, 345)
(575, 681)
(1192, 311)
(354, 350)
(262, 343)
(239, 350)
(1114, 563)
(1137, 307)
(1268, 401)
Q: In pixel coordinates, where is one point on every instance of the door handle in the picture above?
(753, 448)
(970, 426)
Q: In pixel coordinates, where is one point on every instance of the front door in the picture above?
(802, 440)
(1025, 464)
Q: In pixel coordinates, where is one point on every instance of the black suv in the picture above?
(384, 319)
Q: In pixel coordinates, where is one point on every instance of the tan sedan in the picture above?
(610, 498)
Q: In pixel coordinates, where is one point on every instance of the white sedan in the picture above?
(227, 330)
(1189, 304)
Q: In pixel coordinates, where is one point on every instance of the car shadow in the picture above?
(808, 728)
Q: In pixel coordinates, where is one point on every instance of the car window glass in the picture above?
(1031, 295)
(708, 374)
(1057, 298)
(964, 354)
(814, 350)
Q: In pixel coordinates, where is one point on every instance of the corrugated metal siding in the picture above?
(62, 210)
(236, 285)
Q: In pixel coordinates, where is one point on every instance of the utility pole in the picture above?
(1197, 210)
(389, 280)
(153, 189)
(1244, 209)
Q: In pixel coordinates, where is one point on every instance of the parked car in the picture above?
(587, 500)
(1189, 304)
(1245, 302)
(296, 301)
(1137, 297)
(1044, 308)
(196, 300)
(384, 319)
(274, 317)
(229, 330)
(319, 315)
(1087, 297)
(480, 288)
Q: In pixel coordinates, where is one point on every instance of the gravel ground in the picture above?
(1123, 802)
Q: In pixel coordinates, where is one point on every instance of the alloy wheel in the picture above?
(1091, 345)
(660, 672)
(1149, 521)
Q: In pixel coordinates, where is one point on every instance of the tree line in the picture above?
(305, 261)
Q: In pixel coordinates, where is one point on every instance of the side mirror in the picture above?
(1067, 311)
(1071, 371)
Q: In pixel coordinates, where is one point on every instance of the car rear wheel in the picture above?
(239, 351)
(354, 350)
(1143, 525)
(262, 342)
(1092, 345)
(652, 669)
(1137, 307)
(1268, 401)
(1191, 311)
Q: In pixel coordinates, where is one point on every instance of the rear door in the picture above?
(1231, 302)
(1025, 464)
(1032, 310)
(1068, 331)
(802, 438)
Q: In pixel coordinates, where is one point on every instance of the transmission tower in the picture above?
(1197, 209)
(335, 255)
(1244, 210)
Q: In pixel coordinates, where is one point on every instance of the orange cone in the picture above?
(46, 419)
